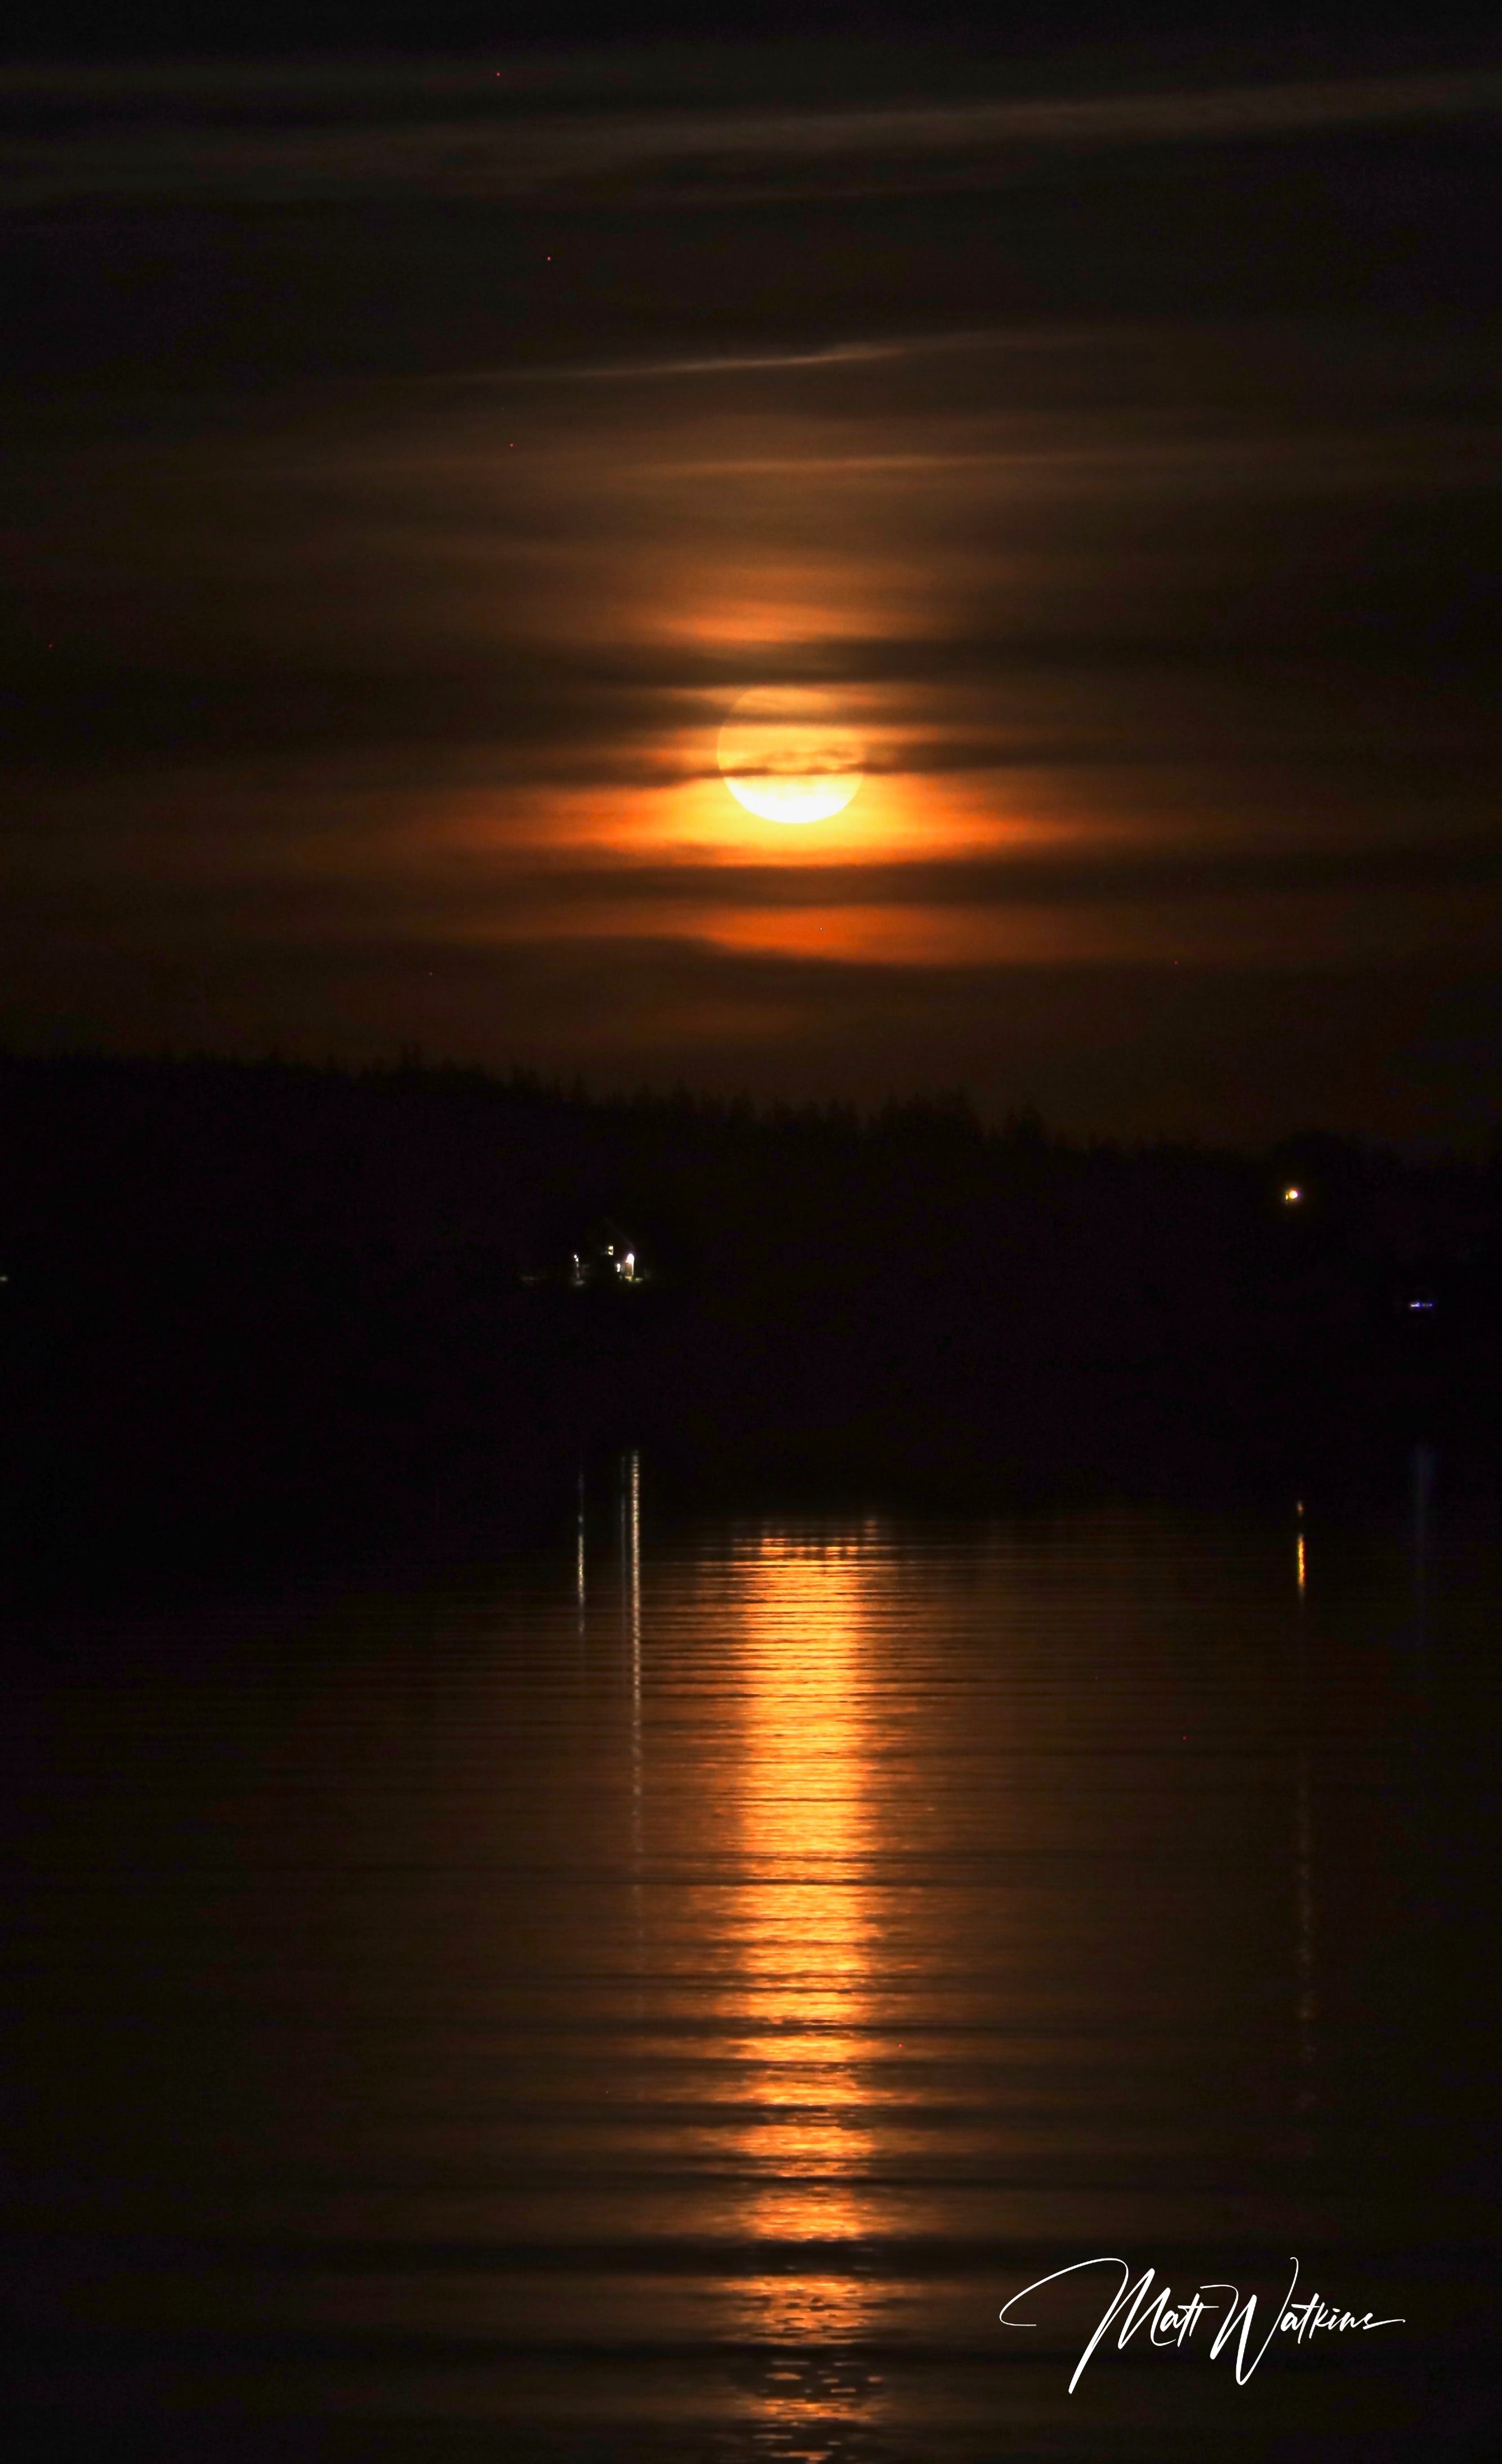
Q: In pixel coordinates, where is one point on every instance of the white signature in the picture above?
(1171, 2321)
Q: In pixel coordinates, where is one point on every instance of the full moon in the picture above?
(786, 756)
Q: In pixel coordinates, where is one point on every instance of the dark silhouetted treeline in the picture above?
(257, 1309)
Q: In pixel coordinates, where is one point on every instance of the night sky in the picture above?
(410, 461)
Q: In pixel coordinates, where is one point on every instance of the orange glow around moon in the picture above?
(786, 756)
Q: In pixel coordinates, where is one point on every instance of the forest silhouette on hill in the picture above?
(253, 1309)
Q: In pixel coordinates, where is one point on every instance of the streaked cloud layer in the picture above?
(405, 482)
(468, 130)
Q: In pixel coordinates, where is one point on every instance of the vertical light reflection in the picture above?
(1306, 1978)
(806, 1937)
(633, 1577)
(580, 1596)
(632, 1610)
(631, 1602)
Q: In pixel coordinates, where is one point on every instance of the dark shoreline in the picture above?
(263, 1316)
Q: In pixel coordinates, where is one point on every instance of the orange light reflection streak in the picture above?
(807, 1934)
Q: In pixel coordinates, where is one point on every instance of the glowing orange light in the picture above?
(784, 755)
(806, 1929)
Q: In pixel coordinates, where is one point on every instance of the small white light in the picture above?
(1292, 1197)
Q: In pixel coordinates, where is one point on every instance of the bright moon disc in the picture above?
(786, 756)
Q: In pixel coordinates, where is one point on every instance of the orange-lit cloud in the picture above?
(1139, 524)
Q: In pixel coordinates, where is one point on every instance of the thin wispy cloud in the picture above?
(493, 150)
(1122, 459)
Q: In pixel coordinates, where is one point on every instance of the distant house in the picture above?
(606, 1259)
(603, 1258)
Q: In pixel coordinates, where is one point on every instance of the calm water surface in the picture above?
(663, 1999)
